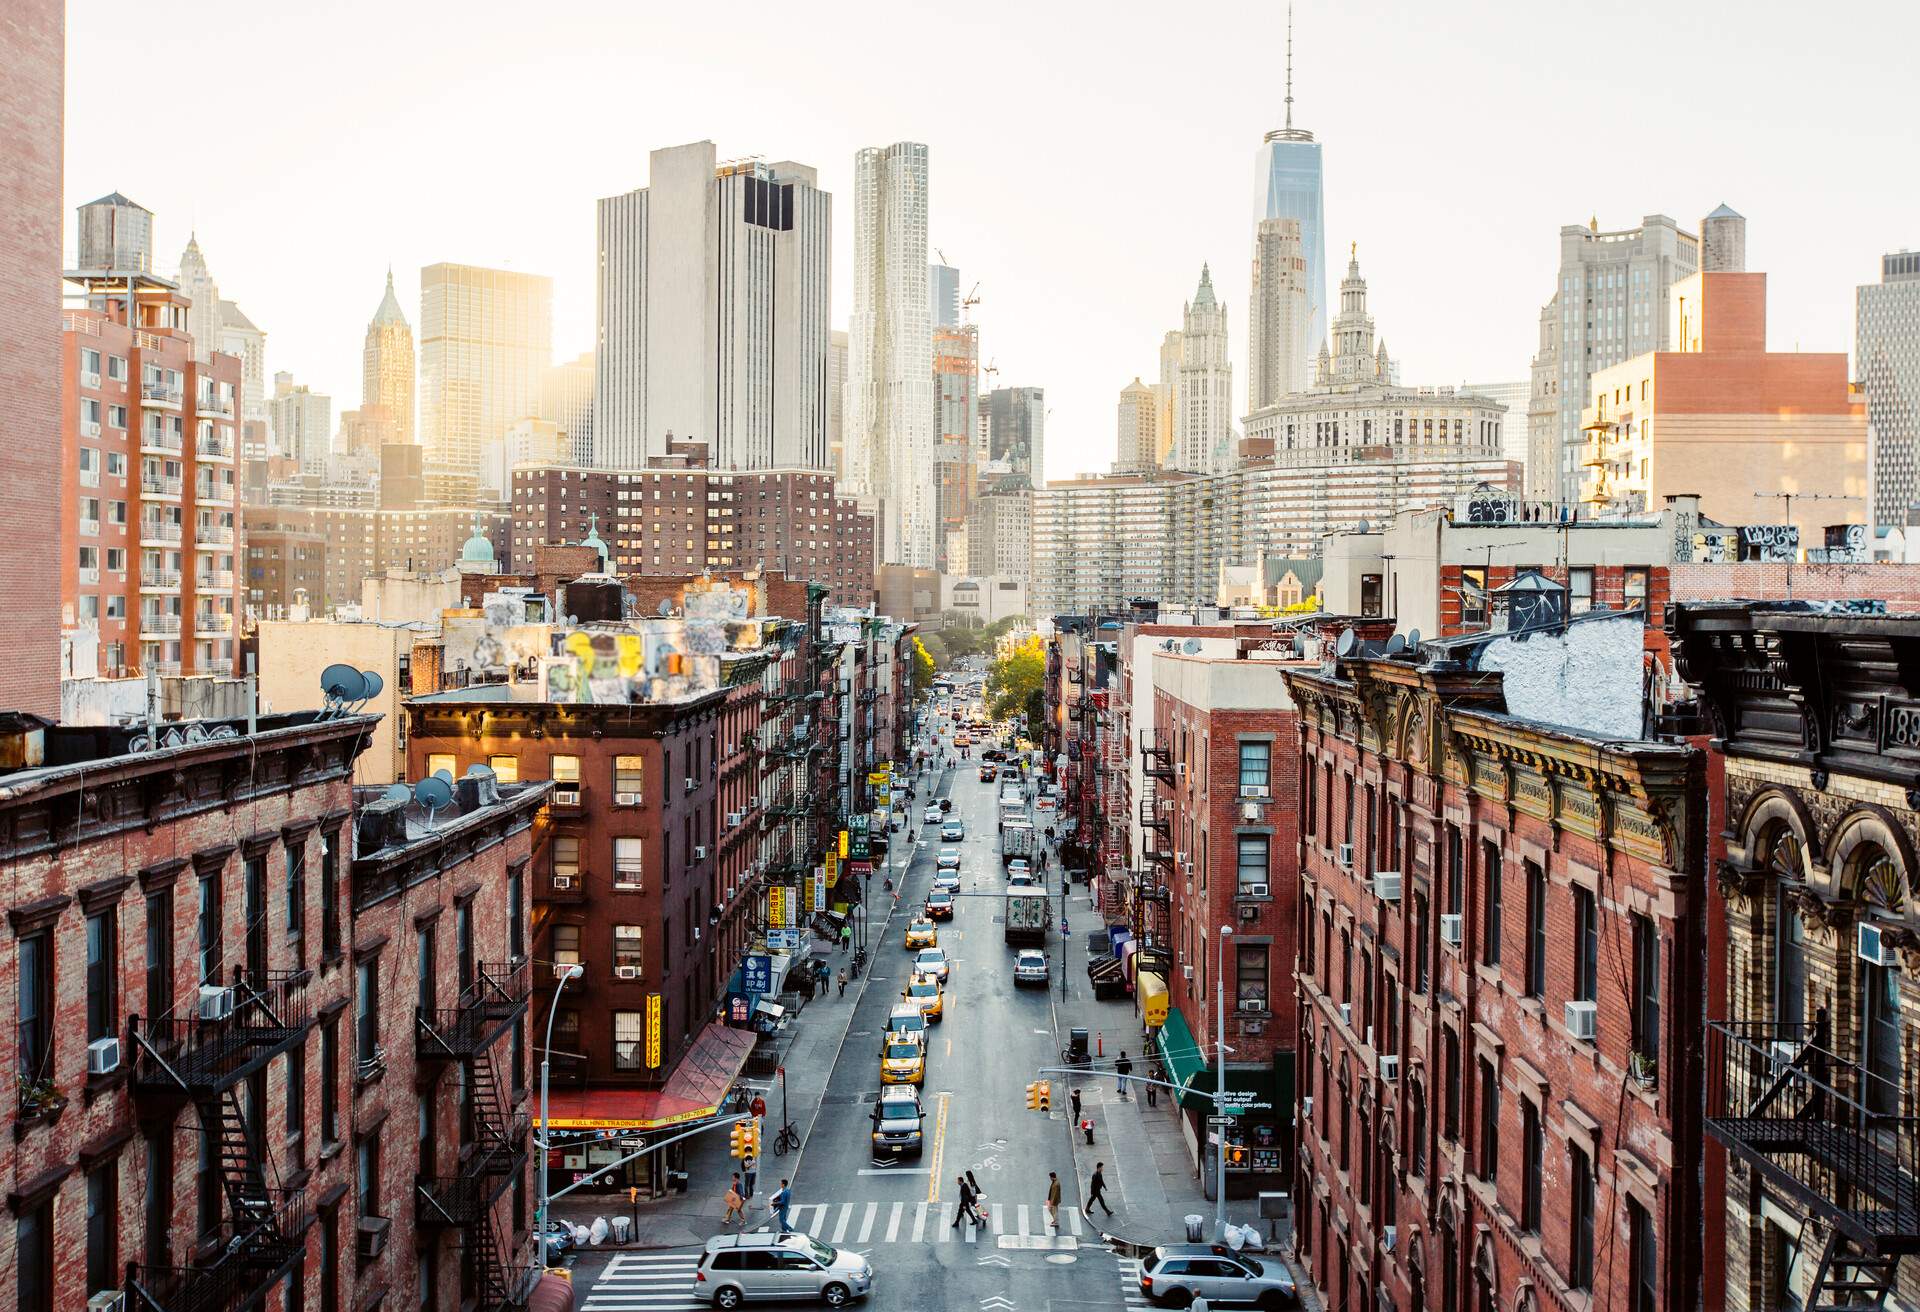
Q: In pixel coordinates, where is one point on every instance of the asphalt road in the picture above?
(983, 1052)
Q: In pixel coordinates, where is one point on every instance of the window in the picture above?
(1346, 819)
(296, 895)
(367, 1174)
(628, 868)
(1532, 1158)
(1451, 1044)
(1646, 993)
(506, 769)
(33, 1258)
(1456, 858)
(1370, 596)
(626, 1040)
(564, 769)
(566, 945)
(1580, 1244)
(207, 964)
(1417, 1128)
(1252, 864)
(627, 943)
(1473, 597)
(566, 858)
(36, 1006)
(1586, 946)
(103, 976)
(1255, 759)
(1643, 1253)
(296, 1099)
(330, 894)
(103, 1226)
(330, 1081)
(1489, 1122)
(516, 913)
(423, 968)
(1536, 931)
(1790, 965)
(157, 1197)
(628, 780)
(1490, 905)
(438, 761)
(1251, 979)
(1420, 930)
(366, 1016)
(1579, 589)
(1306, 812)
(464, 966)
(1633, 590)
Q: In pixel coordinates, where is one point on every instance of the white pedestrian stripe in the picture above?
(893, 1222)
(866, 1223)
(998, 1226)
(1023, 1218)
(1073, 1219)
(645, 1282)
(840, 1231)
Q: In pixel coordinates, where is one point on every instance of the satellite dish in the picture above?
(433, 793)
(445, 777)
(1191, 646)
(664, 608)
(398, 793)
(1413, 641)
(1347, 643)
(478, 771)
(1395, 645)
(374, 684)
(343, 683)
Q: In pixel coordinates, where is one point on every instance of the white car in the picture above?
(946, 881)
(949, 859)
(953, 831)
(1030, 967)
(931, 815)
(931, 961)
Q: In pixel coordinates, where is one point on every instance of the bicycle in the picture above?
(787, 1140)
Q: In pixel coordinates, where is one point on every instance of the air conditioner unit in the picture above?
(1186, 972)
(1306, 1108)
(1867, 943)
(1344, 855)
(566, 797)
(1369, 1036)
(1450, 930)
(626, 799)
(216, 1003)
(108, 1300)
(1255, 890)
(1250, 811)
(372, 1239)
(1249, 913)
(1252, 1004)
(699, 853)
(1389, 1235)
(1346, 1014)
(1389, 1068)
(1179, 769)
(563, 883)
(734, 818)
(1253, 790)
(691, 785)
(1386, 885)
(103, 1055)
(626, 972)
(1580, 1019)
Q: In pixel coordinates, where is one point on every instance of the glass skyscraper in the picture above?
(1287, 185)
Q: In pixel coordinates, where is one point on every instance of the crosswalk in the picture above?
(645, 1282)
(862, 1224)
(1130, 1294)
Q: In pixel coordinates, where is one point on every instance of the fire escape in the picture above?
(206, 1059)
(1153, 902)
(495, 1152)
(1825, 1132)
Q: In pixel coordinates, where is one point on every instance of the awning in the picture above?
(693, 1092)
(772, 1009)
(1180, 1055)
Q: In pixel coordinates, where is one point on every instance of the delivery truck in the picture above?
(1017, 838)
(1029, 915)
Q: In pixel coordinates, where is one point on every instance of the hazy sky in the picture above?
(1085, 159)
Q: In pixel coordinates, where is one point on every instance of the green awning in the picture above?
(1267, 1091)
(1180, 1055)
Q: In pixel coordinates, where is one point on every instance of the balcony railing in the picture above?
(1817, 1126)
(219, 494)
(213, 405)
(158, 439)
(1156, 756)
(488, 1006)
(160, 578)
(214, 448)
(159, 625)
(228, 1034)
(161, 394)
(211, 535)
(160, 486)
(245, 1267)
(212, 626)
(218, 580)
(159, 530)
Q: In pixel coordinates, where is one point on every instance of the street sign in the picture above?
(1219, 1120)
(1231, 1113)
(780, 939)
(756, 974)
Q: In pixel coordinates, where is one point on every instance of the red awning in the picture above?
(693, 1092)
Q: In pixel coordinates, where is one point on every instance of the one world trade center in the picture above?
(1287, 185)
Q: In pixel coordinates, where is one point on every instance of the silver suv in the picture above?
(1175, 1275)
(755, 1267)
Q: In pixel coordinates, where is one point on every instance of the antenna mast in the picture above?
(1289, 68)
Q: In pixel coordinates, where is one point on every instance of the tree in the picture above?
(1012, 681)
(922, 667)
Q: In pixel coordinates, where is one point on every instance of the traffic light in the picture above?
(1039, 1096)
(753, 1138)
(738, 1135)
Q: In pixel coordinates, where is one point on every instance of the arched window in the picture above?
(1784, 864)
(1878, 880)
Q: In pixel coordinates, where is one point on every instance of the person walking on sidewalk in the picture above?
(736, 1205)
(1073, 1096)
(1123, 1068)
(1097, 1188)
(968, 1205)
(1053, 1199)
(782, 1204)
(843, 981)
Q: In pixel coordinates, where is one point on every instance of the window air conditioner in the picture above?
(690, 784)
(563, 883)
(108, 1300)
(1346, 1014)
(1390, 1234)
(1255, 890)
(1580, 1019)
(1386, 885)
(1250, 811)
(372, 1240)
(103, 1055)
(216, 1003)
(1252, 1004)
(1450, 930)
(1306, 1108)
(566, 797)
(734, 818)
(1344, 855)
(1249, 913)
(699, 853)
(1179, 769)
(626, 799)
(1389, 1068)
(1186, 972)
(1253, 790)
(626, 972)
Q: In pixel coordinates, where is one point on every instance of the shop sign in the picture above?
(756, 974)
(653, 1031)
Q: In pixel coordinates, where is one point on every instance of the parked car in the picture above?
(1176, 1274)
(1030, 967)
(905, 1018)
(753, 1267)
(905, 1059)
(925, 990)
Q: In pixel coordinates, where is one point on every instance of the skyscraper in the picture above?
(1017, 431)
(1887, 355)
(1515, 396)
(1203, 423)
(485, 337)
(956, 408)
(1287, 185)
(387, 373)
(302, 423)
(943, 296)
(1278, 315)
(837, 404)
(1137, 439)
(1166, 393)
(197, 285)
(566, 401)
(713, 314)
(889, 421)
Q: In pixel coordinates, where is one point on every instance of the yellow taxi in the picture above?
(921, 934)
(925, 990)
(903, 1060)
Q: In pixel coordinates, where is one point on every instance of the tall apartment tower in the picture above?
(1278, 314)
(1542, 422)
(837, 404)
(1017, 431)
(713, 314)
(956, 408)
(387, 372)
(1611, 305)
(1137, 439)
(33, 45)
(116, 235)
(486, 335)
(1166, 393)
(1887, 355)
(889, 432)
(1203, 425)
(566, 401)
(943, 296)
(1287, 185)
(302, 423)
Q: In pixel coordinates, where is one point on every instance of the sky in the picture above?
(1084, 159)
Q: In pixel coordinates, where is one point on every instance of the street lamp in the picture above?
(544, 1139)
(1220, 1087)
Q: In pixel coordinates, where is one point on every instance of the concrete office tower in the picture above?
(713, 314)
(486, 335)
(302, 423)
(1203, 425)
(566, 401)
(1287, 185)
(956, 408)
(116, 236)
(837, 404)
(1137, 440)
(1542, 412)
(1017, 431)
(33, 51)
(1886, 352)
(1166, 393)
(197, 285)
(387, 373)
(943, 296)
(1515, 396)
(240, 336)
(1610, 305)
(1723, 242)
(889, 433)
(1278, 313)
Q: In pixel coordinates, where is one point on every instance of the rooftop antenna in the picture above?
(434, 793)
(1289, 68)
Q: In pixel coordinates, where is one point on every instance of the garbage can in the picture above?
(1194, 1224)
(622, 1229)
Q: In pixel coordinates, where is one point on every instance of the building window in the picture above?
(626, 1040)
(564, 769)
(1306, 811)
(1251, 979)
(296, 1099)
(367, 1174)
(566, 860)
(35, 957)
(1456, 860)
(103, 976)
(566, 945)
(1532, 1159)
(296, 895)
(1490, 905)
(1370, 603)
(1580, 1242)
(330, 894)
(330, 1081)
(103, 1226)
(1790, 964)
(1473, 597)
(208, 963)
(1633, 591)
(628, 941)
(1586, 946)
(1451, 1057)
(1579, 589)
(1252, 865)
(1646, 995)
(1489, 1122)
(629, 780)
(33, 1258)
(1255, 760)
(506, 769)
(629, 870)
(516, 913)
(1420, 928)
(1643, 1251)
(157, 1198)
(1536, 931)
(366, 1016)
(1417, 1129)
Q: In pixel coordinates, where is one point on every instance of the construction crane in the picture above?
(967, 303)
(990, 369)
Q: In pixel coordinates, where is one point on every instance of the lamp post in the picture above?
(1220, 1087)
(545, 1137)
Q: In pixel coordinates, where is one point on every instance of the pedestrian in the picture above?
(843, 981)
(1097, 1188)
(782, 1204)
(1053, 1199)
(1087, 1125)
(968, 1207)
(1123, 1068)
(751, 1170)
(736, 1205)
(1073, 1096)
(1153, 1090)
(846, 937)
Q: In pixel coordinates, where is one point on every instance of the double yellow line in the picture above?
(939, 1148)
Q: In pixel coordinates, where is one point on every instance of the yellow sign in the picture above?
(843, 842)
(653, 1031)
(806, 892)
(777, 906)
(832, 865)
(878, 778)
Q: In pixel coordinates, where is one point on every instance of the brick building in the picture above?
(1502, 930)
(358, 544)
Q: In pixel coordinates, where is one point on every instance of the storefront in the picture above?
(1258, 1112)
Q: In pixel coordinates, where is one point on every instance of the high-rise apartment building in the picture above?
(1278, 312)
(889, 419)
(244, 339)
(1136, 440)
(1166, 393)
(1542, 413)
(713, 313)
(1886, 348)
(956, 408)
(1017, 431)
(1203, 423)
(837, 403)
(566, 401)
(1287, 185)
(943, 296)
(486, 335)
(302, 423)
(387, 373)
(32, 471)
(219, 325)
(1610, 305)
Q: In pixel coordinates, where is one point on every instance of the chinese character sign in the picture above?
(756, 974)
(653, 1031)
(777, 908)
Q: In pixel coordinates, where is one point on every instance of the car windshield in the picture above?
(821, 1253)
(941, 899)
(932, 957)
(924, 989)
(922, 926)
(902, 1051)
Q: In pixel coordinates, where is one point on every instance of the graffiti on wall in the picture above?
(660, 660)
(1846, 545)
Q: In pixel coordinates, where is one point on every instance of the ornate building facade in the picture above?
(1203, 419)
(386, 374)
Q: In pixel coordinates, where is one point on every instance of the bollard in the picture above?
(1099, 1044)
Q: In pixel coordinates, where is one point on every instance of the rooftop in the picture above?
(68, 753)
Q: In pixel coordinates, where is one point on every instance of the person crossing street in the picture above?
(969, 1200)
(1053, 1199)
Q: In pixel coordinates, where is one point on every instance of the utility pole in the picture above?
(1220, 1088)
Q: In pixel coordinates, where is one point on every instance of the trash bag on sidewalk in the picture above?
(1244, 1237)
(597, 1232)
